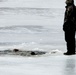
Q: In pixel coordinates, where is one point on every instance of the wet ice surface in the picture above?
(44, 65)
(29, 53)
(18, 52)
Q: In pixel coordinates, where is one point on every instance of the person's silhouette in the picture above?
(69, 27)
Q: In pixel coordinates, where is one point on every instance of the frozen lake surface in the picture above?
(34, 25)
(45, 65)
(31, 27)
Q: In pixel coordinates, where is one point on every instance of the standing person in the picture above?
(69, 27)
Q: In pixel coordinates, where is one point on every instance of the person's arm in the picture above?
(69, 12)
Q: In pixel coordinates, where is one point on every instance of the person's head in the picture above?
(69, 2)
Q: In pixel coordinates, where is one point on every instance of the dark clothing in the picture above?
(69, 19)
(70, 39)
(69, 28)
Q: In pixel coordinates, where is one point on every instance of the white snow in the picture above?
(34, 3)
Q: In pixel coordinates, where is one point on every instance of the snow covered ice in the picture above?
(34, 25)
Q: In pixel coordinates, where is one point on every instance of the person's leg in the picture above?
(70, 40)
(71, 47)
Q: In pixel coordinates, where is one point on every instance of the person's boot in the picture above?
(69, 53)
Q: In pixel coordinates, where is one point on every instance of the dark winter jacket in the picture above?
(70, 18)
